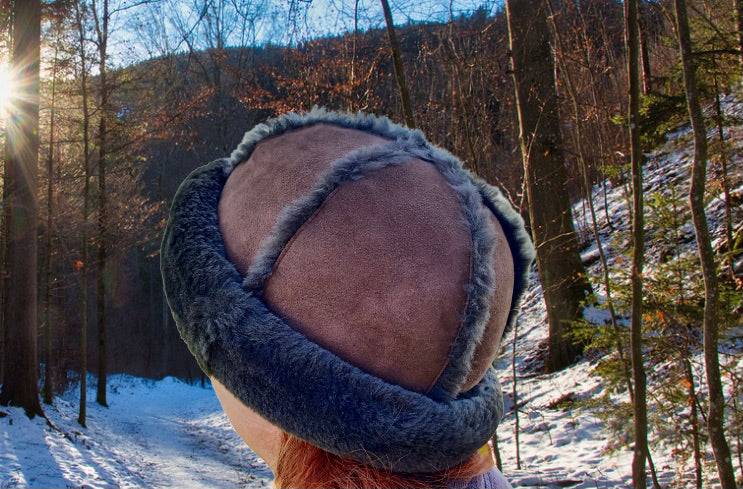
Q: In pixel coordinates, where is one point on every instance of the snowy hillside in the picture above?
(170, 434)
(568, 448)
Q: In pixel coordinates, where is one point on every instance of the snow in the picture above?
(153, 434)
(570, 447)
(168, 433)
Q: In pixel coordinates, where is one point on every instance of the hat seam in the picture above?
(301, 228)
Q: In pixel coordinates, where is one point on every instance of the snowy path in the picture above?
(174, 435)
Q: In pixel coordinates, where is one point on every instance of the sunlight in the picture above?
(6, 86)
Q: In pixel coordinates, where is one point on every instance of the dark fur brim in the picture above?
(292, 382)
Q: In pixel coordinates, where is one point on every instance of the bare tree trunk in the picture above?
(738, 434)
(725, 184)
(738, 5)
(647, 85)
(459, 101)
(632, 36)
(5, 265)
(351, 90)
(20, 374)
(86, 198)
(496, 452)
(716, 414)
(101, 26)
(587, 188)
(691, 389)
(561, 271)
(514, 394)
(402, 84)
(48, 379)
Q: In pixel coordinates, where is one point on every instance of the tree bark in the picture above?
(48, 379)
(561, 272)
(647, 80)
(587, 189)
(632, 39)
(738, 5)
(716, 414)
(101, 25)
(22, 159)
(81, 419)
(402, 83)
(693, 415)
(725, 183)
(515, 397)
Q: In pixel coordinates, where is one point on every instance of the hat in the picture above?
(349, 282)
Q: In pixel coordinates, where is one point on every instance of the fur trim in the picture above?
(518, 239)
(291, 381)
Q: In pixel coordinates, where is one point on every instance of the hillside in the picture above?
(562, 444)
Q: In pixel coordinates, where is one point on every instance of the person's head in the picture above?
(346, 285)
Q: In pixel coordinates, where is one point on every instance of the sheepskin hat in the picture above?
(349, 282)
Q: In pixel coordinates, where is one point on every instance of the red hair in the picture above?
(301, 464)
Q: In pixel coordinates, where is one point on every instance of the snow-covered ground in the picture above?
(153, 434)
(569, 447)
(170, 434)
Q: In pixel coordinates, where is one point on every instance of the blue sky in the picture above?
(152, 28)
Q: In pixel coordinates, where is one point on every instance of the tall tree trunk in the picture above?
(588, 190)
(81, 419)
(4, 261)
(22, 153)
(101, 25)
(515, 397)
(647, 83)
(720, 119)
(48, 380)
(738, 5)
(632, 39)
(561, 272)
(352, 74)
(693, 415)
(716, 414)
(402, 84)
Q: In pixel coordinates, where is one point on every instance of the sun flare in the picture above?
(6, 87)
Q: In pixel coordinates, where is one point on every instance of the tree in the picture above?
(647, 77)
(561, 272)
(47, 389)
(581, 146)
(101, 29)
(21, 160)
(716, 414)
(83, 264)
(639, 404)
(402, 84)
(738, 5)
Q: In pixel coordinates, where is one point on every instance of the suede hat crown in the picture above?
(349, 282)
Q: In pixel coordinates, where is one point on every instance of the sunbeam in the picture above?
(6, 88)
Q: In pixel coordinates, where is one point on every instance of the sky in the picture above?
(144, 29)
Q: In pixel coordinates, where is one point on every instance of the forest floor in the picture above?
(168, 433)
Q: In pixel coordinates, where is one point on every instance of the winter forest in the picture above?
(615, 128)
